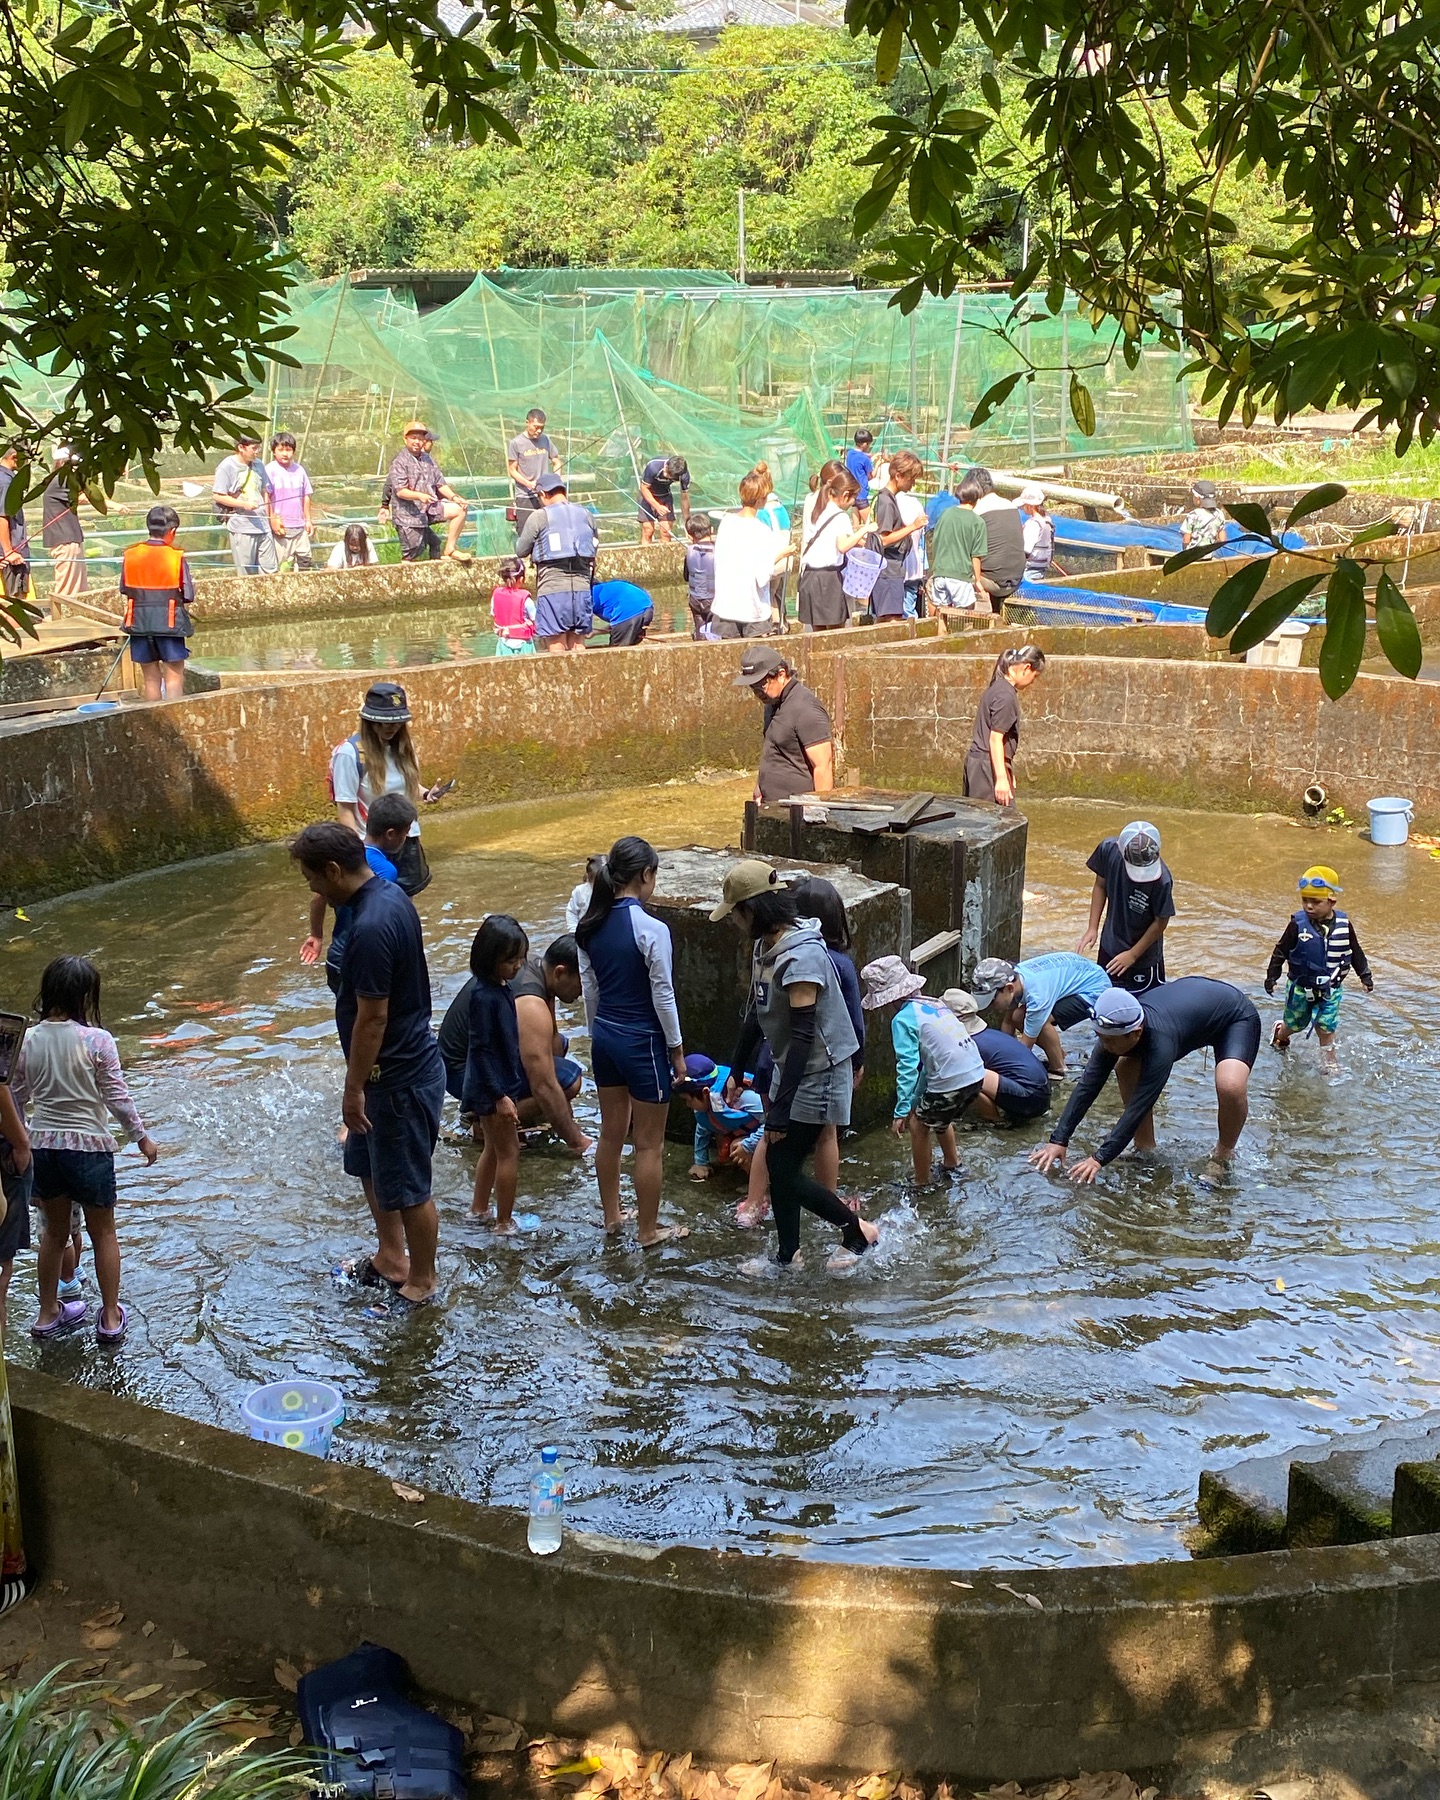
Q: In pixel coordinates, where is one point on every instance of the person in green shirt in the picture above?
(958, 540)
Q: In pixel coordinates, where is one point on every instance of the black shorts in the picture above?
(627, 633)
(83, 1177)
(1069, 1010)
(1021, 1103)
(395, 1154)
(1239, 1041)
(15, 1230)
(939, 1110)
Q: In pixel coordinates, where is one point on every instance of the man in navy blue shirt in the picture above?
(394, 1078)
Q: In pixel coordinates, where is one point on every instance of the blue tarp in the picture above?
(1107, 607)
(1090, 534)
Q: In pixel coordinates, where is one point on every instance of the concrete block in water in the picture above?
(1347, 1498)
(1415, 1504)
(712, 961)
(965, 873)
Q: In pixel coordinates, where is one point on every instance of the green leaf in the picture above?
(1273, 610)
(1231, 600)
(1254, 518)
(1396, 628)
(1344, 644)
(995, 395)
(1381, 529)
(1182, 559)
(1082, 407)
(890, 48)
(990, 88)
(1316, 500)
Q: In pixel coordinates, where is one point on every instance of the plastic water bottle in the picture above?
(547, 1503)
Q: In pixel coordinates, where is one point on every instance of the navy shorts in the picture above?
(158, 649)
(569, 610)
(1069, 1010)
(84, 1177)
(1020, 1103)
(15, 1231)
(395, 1154)
(634, 1060)
(1239, 1041)
(567, 1073)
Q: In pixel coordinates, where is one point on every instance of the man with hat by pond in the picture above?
(1204, 523)
(421, 499)
(1140, 1038)
(798, 756)
(562, 540)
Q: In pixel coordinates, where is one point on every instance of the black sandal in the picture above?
(365, 1274)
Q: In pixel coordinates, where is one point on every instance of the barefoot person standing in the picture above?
(394, 1078)
(636, 1050)
(1141, 1037)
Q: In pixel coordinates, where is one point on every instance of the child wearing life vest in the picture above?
(938, 1070)
(513, 611)
(1318, 949)
(158, 590)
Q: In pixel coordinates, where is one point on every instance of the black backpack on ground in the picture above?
(375, 1744)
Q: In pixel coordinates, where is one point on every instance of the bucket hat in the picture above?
(386, 704)
(888, 979)
(965, 1009)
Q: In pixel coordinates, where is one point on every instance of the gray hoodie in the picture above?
(800, 956)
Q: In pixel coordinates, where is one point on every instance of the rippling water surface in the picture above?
(1024, 1373)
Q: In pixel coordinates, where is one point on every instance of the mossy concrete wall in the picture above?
(1221, 735)
(246, 1553)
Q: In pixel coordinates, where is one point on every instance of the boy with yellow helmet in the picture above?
(1318, 949)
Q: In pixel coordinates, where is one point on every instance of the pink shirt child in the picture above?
(513, 612)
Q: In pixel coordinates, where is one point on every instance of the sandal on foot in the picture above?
(71, 1314)
(16, 1588)
(105, 1334)
(365, 1274)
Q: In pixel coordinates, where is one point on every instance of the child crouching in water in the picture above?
(494, 1074)
(1318, 948)
(68, 1078)
(938, 1070)
(720, 1123)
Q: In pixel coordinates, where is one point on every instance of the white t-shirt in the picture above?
(745, 552)
(823, 551)
(352, 784)
(916, 561)
(337, 556)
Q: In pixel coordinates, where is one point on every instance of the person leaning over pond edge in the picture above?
(380, 759)
(798, 756)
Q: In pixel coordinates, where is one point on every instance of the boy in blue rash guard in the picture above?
(938, 1071)
(1038, 999)
(1318, 948)
(1016, 1087)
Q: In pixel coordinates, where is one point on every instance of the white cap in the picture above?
(1031, 495)
(1140, 846)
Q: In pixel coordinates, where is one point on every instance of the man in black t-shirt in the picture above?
(394, 1078)
(657, 496)
(1136, 894)
(798, 756)
(62, 536)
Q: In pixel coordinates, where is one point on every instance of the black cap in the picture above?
(758, 664)
(386, 704)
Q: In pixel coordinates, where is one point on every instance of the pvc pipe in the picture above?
(1005, 483)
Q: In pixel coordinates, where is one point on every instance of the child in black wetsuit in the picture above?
(494, 1074)
(1318, 948)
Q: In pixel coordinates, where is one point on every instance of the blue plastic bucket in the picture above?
(300, 1415)
(1390, 821)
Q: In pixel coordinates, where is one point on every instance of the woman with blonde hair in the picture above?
(746, 557)
(380, 759)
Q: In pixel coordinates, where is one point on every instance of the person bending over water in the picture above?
(1141, 1038)
(797, 1003)
(394, 1078)
(636, 1047)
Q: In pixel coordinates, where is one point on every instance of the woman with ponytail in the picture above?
(990, 761)
(636, 1050)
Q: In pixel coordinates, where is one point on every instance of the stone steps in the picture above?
(1376, 1484)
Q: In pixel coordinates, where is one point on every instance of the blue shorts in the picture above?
(1019, 1103)
(395, 1154)
(158, 649)
(636, 1060)
(569, 610)
(15, 1230)
(83, 1177)
(567, 1073)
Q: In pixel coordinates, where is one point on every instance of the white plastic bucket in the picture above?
(299, 1415)
(861, 571)
(1390, 821)
(1281, 650)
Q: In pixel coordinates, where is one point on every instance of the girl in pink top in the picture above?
(513, 611)
(68, 1078)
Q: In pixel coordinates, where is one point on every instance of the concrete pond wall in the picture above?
(247, 1552)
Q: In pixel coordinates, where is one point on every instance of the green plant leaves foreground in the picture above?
(1236, 611)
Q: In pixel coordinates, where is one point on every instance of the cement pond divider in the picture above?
(247, 1552)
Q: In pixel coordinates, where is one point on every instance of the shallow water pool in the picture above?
(1023, 1374)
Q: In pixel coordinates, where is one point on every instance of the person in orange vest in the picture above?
(158, 590)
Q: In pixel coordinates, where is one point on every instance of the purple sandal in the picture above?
(71, 1314)
(117, 1336)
